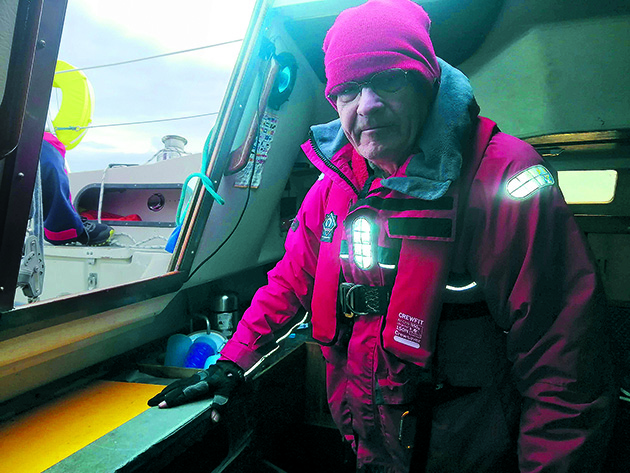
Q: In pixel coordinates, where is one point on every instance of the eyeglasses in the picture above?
(389, 81)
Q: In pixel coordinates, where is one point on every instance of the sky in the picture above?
(104, 32)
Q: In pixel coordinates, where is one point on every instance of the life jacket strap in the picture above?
(357, 299)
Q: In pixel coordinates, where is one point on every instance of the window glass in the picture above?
(140, 84)
(588, 187)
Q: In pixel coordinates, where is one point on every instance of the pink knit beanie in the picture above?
(379, 35)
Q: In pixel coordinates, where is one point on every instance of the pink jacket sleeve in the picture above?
(541, 286)
(290, 285)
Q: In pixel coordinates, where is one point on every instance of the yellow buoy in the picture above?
(75, 111)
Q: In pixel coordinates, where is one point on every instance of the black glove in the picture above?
(218, 380)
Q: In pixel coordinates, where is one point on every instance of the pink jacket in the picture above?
(531, 264)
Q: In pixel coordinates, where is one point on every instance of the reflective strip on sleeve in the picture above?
(526, 182)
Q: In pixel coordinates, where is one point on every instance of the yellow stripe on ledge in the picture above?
(36, 440)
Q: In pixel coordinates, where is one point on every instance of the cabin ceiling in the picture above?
(459, 27)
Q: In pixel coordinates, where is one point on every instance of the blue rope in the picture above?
(205, 180)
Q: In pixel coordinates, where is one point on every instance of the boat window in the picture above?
(135, 98)
(588, 186)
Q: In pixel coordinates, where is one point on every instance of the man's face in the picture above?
(384, 126)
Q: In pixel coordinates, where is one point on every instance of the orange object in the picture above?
(37, 439)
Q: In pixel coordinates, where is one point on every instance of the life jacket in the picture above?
(427, 232)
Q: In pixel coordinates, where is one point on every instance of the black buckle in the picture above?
(348, 292)
(357, 299)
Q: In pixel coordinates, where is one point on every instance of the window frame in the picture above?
(34, 50)
(14, 320)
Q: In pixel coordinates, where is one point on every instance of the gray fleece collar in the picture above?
(329, 137)
(444, 136)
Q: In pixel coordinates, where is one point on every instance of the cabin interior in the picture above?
(552, 73)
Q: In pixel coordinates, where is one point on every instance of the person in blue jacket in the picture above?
(62, 223)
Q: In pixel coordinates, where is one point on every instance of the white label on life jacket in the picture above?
(409, 330)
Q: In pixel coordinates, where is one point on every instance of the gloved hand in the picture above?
(218, 380)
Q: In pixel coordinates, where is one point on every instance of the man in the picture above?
(506, 369)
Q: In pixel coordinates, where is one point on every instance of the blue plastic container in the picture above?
(199, 352)
(176, 350)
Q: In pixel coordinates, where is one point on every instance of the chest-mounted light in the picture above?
(363, 244)
(526, 182)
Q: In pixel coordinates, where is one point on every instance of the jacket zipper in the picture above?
(329, 163)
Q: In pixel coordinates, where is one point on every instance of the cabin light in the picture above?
(467, 287)
(284, 81)
(362, 245)
(526, 182)
(387, 266)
